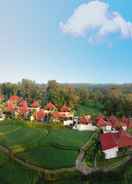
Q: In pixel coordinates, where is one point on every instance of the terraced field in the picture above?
(47, 148)
(12, 173)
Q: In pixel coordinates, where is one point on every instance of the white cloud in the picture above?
(96, 20)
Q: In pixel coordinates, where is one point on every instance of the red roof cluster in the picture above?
(110, 140)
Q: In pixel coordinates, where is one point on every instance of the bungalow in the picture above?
(40, 115)
(109, 146)
(10, 107)
(64, 116)
(35, 104)
(112, 142)
(85, 123)
(50, 107)
(14, 98)
(101, 122)
(65, 108)
(108, 127)
(23, 109)
(124, 126)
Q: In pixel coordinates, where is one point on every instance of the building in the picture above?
(112, 142)
(50, 107)
(85, 123)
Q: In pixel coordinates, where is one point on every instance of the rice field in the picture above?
(47, 148)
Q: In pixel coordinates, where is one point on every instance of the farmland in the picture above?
(47, 148)
(11, 172)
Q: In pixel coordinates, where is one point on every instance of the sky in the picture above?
(87, 41)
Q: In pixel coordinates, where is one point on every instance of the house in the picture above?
(101, 122)
(65, 108)
(115, 122)
(10, 107)
(125, 123)
(85, 123)
(124, 126)
(108, 145)
(68, 122)
(14, 98)
(35, 104)
(50, 107)
(57, 116)
(23, 107)
(40, 115)
(65, 115)
(108, 127)
(112, 142)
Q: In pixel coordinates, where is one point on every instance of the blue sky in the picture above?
(33, 45)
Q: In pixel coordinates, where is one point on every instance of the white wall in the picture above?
(82, 127)
(68, 122)
(111, 153)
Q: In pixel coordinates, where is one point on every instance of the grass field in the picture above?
(48, 148)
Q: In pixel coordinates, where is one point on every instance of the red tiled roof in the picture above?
(14, 98)
(23, 106)
(85, 119)
(130, 123)
(125, 120)
(110, 140)
(35, 104)
(50, 106)
(124, 140)
(107, 141)
(65, 108)
(113, 120)
(101, 123)
(10, 106)
(40, 115)
(59, 115)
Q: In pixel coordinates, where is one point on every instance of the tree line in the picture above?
(82, 98)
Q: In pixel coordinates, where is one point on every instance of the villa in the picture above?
(112, 142)
(85, 123)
